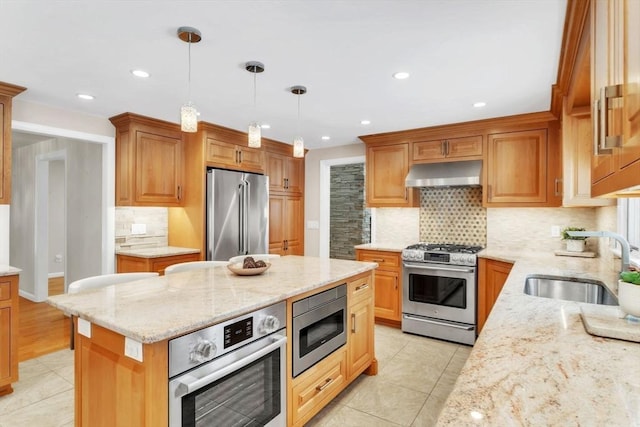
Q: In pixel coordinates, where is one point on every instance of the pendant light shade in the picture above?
(298, 142)
(255, 137)
(188, 112)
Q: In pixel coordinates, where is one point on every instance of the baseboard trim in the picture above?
(28, 295)
(54, 275)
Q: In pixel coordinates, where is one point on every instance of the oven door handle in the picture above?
(435, 322)
(425, 267)
(189, 383)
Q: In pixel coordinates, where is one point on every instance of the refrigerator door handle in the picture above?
(247, 205)
(241, 217)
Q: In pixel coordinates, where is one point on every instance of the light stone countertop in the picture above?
(389, 247)
(157, 251)
(7, 270)
(535, 365)
(155, 309)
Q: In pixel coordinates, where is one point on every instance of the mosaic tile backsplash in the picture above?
(453, 215)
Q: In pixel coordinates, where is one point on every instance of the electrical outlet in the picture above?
(133, 349)
(58, 258)
(138, 228)
(84, 327)
(555, 231)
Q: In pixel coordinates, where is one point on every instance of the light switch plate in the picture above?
(84, 327)
(555, 231)
(133, 349)
(313, 225)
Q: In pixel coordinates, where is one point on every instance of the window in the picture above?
(629, 223)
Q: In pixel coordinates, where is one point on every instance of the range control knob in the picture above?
(270, 324)
(204, 350)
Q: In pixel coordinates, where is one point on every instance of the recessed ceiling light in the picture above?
(140, 73)
(265, 126)
(479, 104)
(85, 96)
(365, 122)
(326, 138)
(401, 75)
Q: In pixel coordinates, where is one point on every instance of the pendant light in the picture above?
(188, 112)
(298, 142)
(254, 67)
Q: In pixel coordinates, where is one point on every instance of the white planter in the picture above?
(629, 298)
(576, 245)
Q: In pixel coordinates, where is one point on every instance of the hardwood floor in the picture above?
(43, 329)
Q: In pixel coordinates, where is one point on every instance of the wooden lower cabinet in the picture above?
(8, 332)
(286, 224)
(132, 264)
(388, 284)
(312, 390)
(112, 389)
(492, 276)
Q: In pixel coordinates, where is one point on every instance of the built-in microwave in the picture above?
(319, 327)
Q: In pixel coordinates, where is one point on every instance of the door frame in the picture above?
(325, 199)
(108, 195)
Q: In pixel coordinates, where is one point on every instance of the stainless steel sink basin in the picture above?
(569, 288)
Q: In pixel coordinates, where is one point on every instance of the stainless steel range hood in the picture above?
(451, 174)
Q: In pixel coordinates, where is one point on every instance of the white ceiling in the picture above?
(503, 52)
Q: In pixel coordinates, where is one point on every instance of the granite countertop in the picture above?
(534, 363)
(157, 251)
(7, 270)
(151, 310)
(389, 247)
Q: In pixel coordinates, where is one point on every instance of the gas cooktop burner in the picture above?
(443, 253)
(446, 247)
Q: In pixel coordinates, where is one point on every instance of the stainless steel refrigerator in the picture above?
(237, 214)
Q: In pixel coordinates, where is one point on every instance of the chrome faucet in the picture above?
(625, 248)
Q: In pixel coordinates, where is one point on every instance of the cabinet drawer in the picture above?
(385, 260)
(360, 289)
(5, 291)
(316, 387)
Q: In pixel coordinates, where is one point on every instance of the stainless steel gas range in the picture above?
(439, 286)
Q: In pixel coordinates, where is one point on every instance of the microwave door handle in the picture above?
(426, 267)
(435, 322)
(191, 383)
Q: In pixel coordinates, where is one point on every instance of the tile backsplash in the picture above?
(155, 219)
(453, 215)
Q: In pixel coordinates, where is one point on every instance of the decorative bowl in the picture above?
(629, 298)
(237, 269)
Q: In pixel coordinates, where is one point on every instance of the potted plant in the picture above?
(574, 243)
(629, 292)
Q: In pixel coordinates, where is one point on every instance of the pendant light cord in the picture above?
(189, 76)
(299, 115)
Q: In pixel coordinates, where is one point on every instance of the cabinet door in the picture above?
(492, 276)
(387, 168)
(630, 150)
(428, 150)
(158, 168)
(6, 370)
(276, 172)
(470, 146)
(517, 167)
(294, 175)
(251, 159)
(294, 225)
(277, 215)
(360, 324)
(387, 295)
(222, 154)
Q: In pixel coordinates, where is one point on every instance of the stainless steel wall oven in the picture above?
(318, 325)
(231, 374)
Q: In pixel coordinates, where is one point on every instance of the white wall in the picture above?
(4, 234)
(57, 212)
(312, 189)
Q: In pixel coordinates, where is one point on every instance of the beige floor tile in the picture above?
(54, 411)
(388, 344)
(30, 390)
(420, 377)
(344, 416)
(31, 368)
(428, 415)
(388, 401)
(59, 359)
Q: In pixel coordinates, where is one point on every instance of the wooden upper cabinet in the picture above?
(630, 150)
(286, 173)
(462, 148)
(386, 170)
(234, 156)
(149, 161)
(7, 92)
(520, 169)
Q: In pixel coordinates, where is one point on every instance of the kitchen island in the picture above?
(117, 389)
(534, 363)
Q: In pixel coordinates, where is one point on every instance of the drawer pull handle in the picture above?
(361, 287)
(377, 260)
(325, 385)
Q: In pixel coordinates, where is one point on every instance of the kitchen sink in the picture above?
(569, 288)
